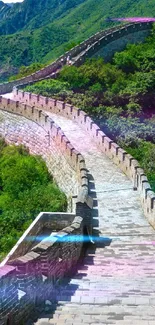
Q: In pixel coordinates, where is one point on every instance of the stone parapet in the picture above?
(111, 36)
(79, 53)
(31, 274)
(29, 280)
(120, 157)
(51, 221)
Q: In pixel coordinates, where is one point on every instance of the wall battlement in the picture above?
(27, 281)
(79, 53)
(126, 162)
(27, 271)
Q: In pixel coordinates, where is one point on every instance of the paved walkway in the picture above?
(116, 283)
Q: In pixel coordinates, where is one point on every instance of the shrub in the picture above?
(26, 189)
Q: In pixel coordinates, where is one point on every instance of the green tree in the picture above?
(26, 189)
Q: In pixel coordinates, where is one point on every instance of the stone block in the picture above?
(107, 145)
(94, 130)
(54, 131)
(34, 100)
(67, 110)
(27, 97)
(100, 138)
(75, 112)
(82, 119)
(80, 158)
(69, 150)
(60, 106)
(75, 155)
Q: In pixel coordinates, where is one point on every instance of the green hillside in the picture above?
(61, 27)
(31, 14)
(26, 189)
(4, 8)
(119, 96)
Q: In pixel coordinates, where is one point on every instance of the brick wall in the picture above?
(51, 221)
(126, 162)
(26, 281)
(115, 40)
(85, 49)
(29, 280)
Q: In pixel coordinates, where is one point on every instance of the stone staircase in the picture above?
(115, 284)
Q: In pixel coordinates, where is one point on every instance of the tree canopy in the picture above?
(120, 97)
(26, 189)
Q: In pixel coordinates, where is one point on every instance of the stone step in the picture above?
(116, 319)
(116, 284)
(93, 322)
(107, 294)
(106, 300)
(106, 309)
(102, 317)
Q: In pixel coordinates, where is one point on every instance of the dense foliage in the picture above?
(26, 71)
(49, 87)
(31, 14)
(3, 9)
(44, 29)
(26, 190)
(120, 96)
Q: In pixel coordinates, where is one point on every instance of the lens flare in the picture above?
(69, 238)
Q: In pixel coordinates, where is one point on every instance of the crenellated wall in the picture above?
(114, 40)
(30, 274)
(45, 224)
(87, 48)
(126, 162)
(35, 277)
(118, 44)
(33, 273)
(20, 130)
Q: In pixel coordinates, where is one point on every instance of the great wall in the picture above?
(113, 39)
(108, 195)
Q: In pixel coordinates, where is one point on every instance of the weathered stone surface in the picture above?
(35, 275)
(20, 130)
(116, 283)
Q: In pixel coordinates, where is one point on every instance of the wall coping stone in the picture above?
(125, 161)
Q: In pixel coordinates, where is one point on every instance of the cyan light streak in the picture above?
(69, 238)
(83, 239)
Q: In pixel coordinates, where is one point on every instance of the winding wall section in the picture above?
(86, 49)
(115, 283)
(27, 272)
(126, 162)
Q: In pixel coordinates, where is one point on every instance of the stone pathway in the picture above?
(116, 283)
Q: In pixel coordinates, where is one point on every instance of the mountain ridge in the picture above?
(4, 7)
(64, 26)
(31, 14)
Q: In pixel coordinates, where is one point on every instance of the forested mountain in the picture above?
(32, 14)
(41, 30)
(3, 10)
(119, 96)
